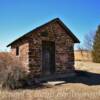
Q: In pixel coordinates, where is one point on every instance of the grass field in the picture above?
(84, 86)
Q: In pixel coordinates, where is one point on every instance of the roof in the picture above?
(76, 40)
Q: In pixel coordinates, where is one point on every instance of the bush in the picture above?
(12, 71)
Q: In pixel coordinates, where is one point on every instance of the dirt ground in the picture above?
(84, 86)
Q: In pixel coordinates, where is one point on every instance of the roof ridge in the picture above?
(55, 19)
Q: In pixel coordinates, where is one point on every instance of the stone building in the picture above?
(47, 50)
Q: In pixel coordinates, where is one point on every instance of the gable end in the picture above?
(76, 40)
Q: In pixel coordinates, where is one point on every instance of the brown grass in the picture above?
(77, 88)
(11, 71)
(83, 55)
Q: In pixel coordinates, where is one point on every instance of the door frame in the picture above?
(46, 41)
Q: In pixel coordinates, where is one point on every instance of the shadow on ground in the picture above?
(84, 77)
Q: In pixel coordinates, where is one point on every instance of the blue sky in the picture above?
(20, 16)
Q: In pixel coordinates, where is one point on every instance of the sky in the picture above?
(20, 16)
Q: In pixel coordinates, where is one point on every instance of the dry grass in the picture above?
(73, 90)
(12, 71)
(88, 66)
(83, 55)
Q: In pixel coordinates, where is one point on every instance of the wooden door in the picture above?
(48, 57)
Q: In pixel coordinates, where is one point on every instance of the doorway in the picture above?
(48, 57)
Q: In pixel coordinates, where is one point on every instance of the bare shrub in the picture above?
(88, 41)
(12, 71)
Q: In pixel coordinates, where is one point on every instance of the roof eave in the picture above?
(76, 40)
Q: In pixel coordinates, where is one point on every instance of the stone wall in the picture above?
(64, 52)
(23, 53)
(31, 49)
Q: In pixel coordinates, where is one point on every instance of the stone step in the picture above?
(54, 77)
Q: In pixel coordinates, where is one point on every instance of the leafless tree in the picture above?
(81, 49)
(88, 41)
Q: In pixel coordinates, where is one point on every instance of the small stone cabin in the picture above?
(47, 50)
